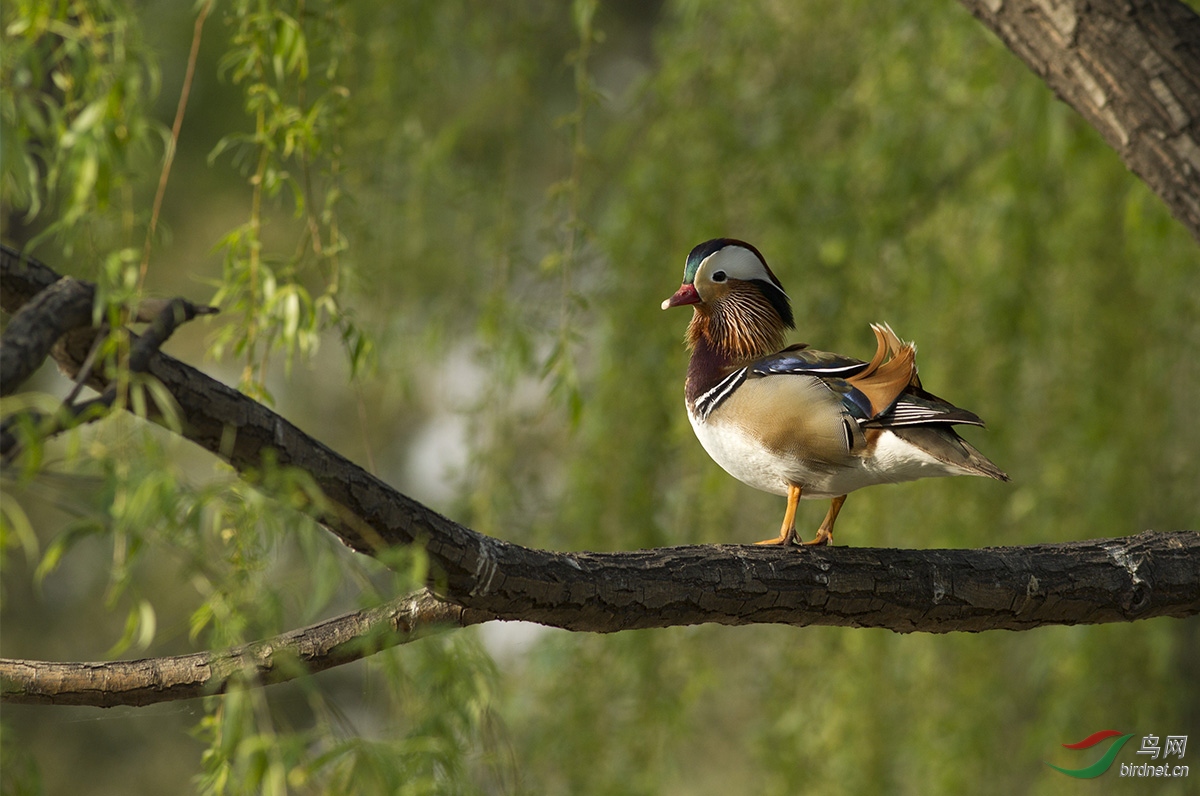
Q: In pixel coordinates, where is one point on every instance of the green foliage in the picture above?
(287, 59)
(78, 80)
(76, 133)
(490, 201)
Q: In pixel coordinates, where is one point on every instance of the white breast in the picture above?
(741, 455)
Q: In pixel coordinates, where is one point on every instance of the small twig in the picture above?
(169, 156)
(85, 370)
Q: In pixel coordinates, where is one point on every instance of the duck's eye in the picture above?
(718, 276)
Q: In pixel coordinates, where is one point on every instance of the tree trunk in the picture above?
(1131, 68)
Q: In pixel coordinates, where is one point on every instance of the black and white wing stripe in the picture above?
(800, 359)
(710, 400)
(923, 410)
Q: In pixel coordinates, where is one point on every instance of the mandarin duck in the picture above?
(799, 422)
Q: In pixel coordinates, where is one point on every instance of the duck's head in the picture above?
(740, 306)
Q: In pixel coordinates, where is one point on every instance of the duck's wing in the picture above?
(865, 389)
(916, 407)
(800, 358)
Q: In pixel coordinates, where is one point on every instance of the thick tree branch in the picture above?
(1014, 588)
(1006, 584)
(62, 307)
(1131, 68)
(935, 587)
(285, 657)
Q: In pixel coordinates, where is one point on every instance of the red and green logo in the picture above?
(1101, 765)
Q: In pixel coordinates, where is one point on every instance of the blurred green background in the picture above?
(516, 187)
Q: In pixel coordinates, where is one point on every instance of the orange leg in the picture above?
(825, 532)
(787, 533)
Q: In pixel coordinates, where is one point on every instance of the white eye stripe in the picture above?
(735, 262)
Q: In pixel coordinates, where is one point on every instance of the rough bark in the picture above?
(1015, 588)
(1131, 68)
(60, 308)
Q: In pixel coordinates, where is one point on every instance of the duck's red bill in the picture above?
(686, 294)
